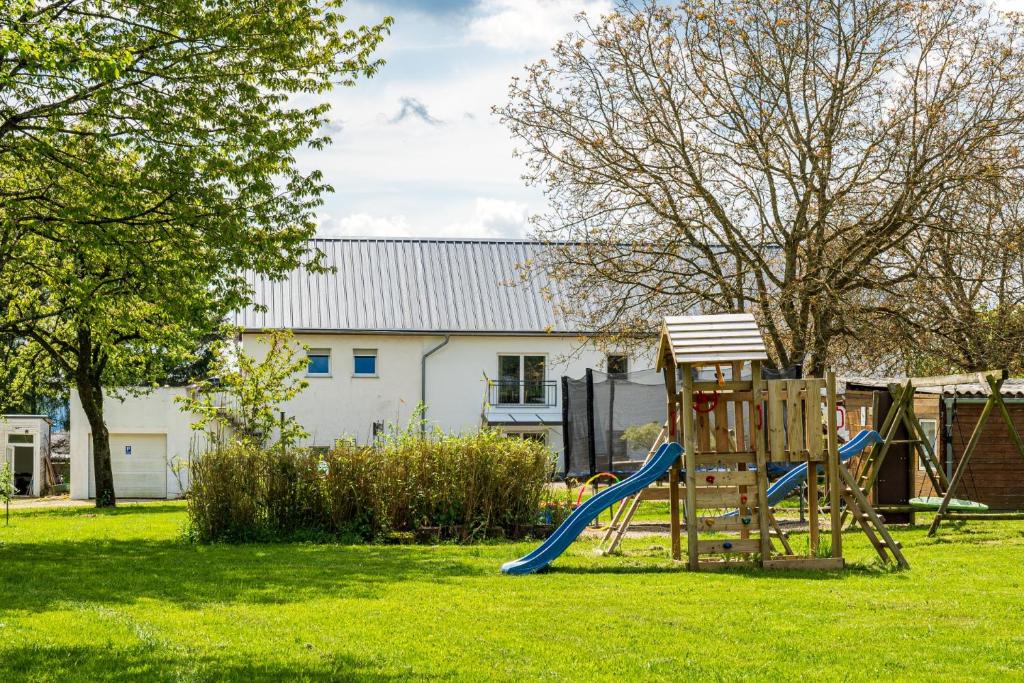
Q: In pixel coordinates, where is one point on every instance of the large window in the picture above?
(930, 428)
(521, 379)
(364, 362)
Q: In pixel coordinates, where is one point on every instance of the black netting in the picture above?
(612, 423)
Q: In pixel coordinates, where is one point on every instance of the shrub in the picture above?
(472, 486)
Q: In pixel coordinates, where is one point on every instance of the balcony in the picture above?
(522, 402)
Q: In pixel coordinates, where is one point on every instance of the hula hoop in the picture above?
(579, 498)
(710, 400)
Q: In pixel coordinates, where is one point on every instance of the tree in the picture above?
(148, 164)
(729, 155)
(965, 312)
(242, 398)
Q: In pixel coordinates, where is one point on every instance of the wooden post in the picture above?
(832, 465)
(757, 429)
(673, 472)
(961, 466)
(812, 507)
(690, 444)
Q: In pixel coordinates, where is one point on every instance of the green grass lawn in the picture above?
(117, 595)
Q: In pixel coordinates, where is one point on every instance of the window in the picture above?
(618, 364)
(541, 436)
(319, 363)
(521, 380)
(930, 428)
(364, 362)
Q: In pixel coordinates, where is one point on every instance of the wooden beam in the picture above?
(673, 472)
(961, 466)
(967, 378)
(757, 435)
(690, 437)
(832, 465)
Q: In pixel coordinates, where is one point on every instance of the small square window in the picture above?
(618, 364)
(319, 363)
(364, 362)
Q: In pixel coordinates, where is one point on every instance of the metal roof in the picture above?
(712, 338)
(1012, 387)
(411, 285)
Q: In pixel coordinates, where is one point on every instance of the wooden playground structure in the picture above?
(727, 417)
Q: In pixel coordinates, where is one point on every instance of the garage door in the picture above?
(139, 462)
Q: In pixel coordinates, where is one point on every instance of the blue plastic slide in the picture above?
(582, 516)
(791, 480)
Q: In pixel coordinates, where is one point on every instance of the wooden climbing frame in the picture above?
(727, 417)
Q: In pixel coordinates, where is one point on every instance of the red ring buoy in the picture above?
(702, 399)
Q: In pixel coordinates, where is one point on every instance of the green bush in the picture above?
(469, 486)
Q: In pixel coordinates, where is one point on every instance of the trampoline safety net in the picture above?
(611, 420)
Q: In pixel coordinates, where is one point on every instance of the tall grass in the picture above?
(471, 486)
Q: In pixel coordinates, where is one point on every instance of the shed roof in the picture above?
(412, 285)
(711, 338)
(1013, 387)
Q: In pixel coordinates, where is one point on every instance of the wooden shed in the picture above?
(995, 474)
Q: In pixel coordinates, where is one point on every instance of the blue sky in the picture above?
(416, 150)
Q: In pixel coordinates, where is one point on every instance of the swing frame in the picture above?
(994, 379)
(901, 412)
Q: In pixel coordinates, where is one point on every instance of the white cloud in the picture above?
(528, 25)
(483, 217)
(363, 225)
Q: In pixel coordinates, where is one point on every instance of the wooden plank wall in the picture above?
(995, 475)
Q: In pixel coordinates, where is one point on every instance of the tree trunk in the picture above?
(90, 392)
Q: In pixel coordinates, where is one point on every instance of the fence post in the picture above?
(566, 436)
(591, 439)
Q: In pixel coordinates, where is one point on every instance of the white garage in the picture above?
(139, 462)
(151, 443)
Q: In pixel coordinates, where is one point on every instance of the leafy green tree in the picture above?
(241, 400)
(6, 489)
(146, 164)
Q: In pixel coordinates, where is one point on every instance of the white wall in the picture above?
(155, 412)
(342, 405)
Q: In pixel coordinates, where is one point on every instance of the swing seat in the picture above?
(955, 504)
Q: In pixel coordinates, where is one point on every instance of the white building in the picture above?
(449, 323)
(26, 442)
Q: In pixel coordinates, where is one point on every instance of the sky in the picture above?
(416, 150)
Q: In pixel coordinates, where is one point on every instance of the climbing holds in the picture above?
(745, 520)
(709, 521)
(727, 545)
(710, 479)
(743, 499)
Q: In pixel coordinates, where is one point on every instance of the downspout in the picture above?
(423, 380)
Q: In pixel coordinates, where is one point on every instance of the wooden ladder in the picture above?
(874, 528)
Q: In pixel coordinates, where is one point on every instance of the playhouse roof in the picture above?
(710, 339)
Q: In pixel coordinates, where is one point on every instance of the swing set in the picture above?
(901, 413)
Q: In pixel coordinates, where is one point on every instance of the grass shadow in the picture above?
(41, 576)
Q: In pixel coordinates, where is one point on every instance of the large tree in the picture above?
(147, 162)
(727, 155)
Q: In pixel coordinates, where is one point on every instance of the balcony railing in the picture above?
(529, 393)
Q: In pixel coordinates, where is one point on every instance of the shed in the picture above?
(995, 475)
(26, 441)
